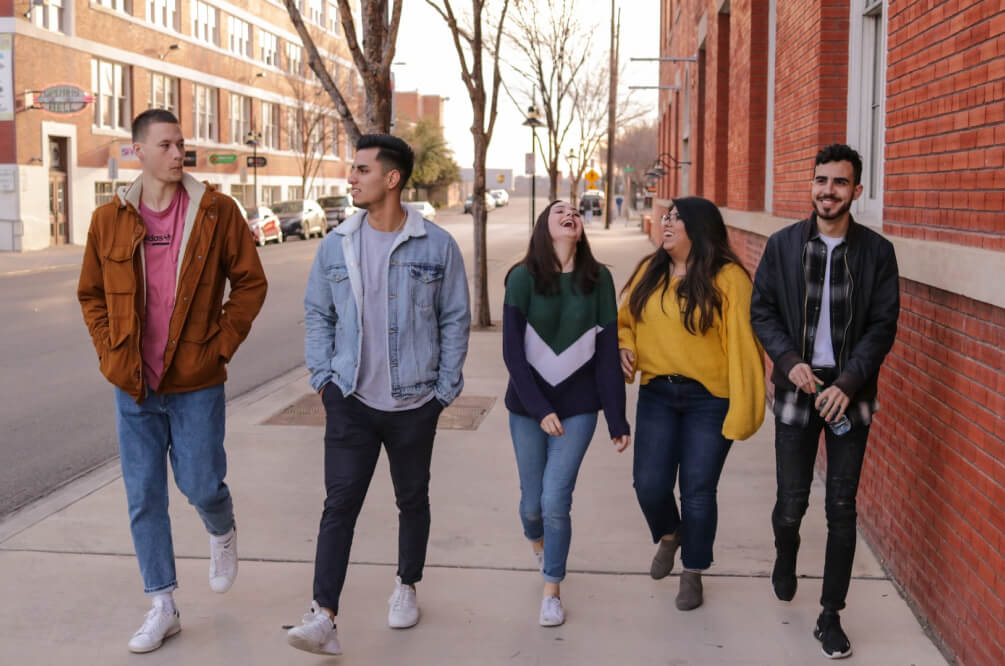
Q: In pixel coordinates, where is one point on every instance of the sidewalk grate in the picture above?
(465, 413)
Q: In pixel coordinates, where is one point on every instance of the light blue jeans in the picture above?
(548, 468)
(188, 429)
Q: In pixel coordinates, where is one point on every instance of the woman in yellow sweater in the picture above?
(685, 325)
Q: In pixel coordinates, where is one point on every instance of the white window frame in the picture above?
(867, 102)
(204, 110)
(205, 23)
(294, 130)
(50, 16)
(163, 13)
(238, 36)
(331, 18)
(316, 12)
(240, 117)
(116, 5)
(110, 80)
(294, 58)
(269, 47)
(163, 92)
(270, 125)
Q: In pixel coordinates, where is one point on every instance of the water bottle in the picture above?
(840, 426)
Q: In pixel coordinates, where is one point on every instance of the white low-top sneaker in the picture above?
(404, 611)
(158, 625)
(552, 613)
(316, 634)
(223, 561)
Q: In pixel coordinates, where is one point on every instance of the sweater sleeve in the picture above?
(744, 358)
(610, 381)
(627, 323)
(519, 288)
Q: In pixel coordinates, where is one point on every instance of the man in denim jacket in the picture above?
(387, 319)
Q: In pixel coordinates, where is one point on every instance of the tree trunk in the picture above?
(553, 181)
(480, 312)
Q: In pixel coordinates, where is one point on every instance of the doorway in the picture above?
(59, 228)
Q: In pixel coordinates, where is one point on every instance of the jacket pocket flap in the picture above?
(338, 272)
(425, 272)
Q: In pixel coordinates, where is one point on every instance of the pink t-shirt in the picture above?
(161, 249)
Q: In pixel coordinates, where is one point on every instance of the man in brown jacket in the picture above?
(151, 288)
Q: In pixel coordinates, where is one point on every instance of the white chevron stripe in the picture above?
(556, 368)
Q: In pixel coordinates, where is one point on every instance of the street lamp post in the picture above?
(533, 121)
(570, 158)
(252, 139)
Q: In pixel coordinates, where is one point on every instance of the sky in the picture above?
(430, 65)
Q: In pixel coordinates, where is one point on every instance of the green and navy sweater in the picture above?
(561, 350)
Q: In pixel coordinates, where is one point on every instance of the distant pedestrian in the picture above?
(619, 200)
(387, 320)
(157, 262)
(560, 347)
(685, 325)
(825, 306)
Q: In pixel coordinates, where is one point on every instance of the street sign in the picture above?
(629, 169)
(591, 176)
(189, 158)
(63, 98)
(500, 178)
(528, 167)
(258, 161)
(226, 158)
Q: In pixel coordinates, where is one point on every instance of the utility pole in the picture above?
(611, 106)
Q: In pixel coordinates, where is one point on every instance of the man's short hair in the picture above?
(392, 153)
(839, 152)
(149, 117)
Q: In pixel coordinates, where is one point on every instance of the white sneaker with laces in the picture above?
(222, 561)
(552, 613)
(404, 612)
(316, 634)
(158, 625)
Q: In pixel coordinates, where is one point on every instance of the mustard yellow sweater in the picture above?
(727, 359)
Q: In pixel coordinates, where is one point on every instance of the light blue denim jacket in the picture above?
(428, 317)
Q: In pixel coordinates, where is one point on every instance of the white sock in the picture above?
(223, 538)
(164, 601)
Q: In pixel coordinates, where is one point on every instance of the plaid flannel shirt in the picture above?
(794, 407)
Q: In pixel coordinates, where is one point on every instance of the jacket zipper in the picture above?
(806, 301)
(851, 311)
(137, 322)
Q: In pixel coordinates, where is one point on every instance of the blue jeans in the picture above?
(548, 468)
(188, 429)
(678, 427)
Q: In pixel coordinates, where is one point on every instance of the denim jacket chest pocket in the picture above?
(338, 282)
(424, 281)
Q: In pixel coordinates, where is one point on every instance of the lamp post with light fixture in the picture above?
(252, 139)
(533, 121)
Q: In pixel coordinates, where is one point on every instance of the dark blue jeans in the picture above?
(678, 430)
(795, 454)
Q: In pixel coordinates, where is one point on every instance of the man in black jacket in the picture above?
(825, 305)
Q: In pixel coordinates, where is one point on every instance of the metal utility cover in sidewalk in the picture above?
(465, 413)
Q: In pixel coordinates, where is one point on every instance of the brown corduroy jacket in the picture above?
(204, 332)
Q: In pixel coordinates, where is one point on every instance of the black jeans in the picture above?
(795, 453)
(353, 436)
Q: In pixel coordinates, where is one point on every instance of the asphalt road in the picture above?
(56, 410)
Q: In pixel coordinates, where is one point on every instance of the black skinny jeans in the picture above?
(354, 433)
(795, 453)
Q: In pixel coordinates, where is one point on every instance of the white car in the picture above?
(501, 197)
(425, 209)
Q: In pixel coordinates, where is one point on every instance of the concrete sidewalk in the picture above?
(52, 258)
(73, 594)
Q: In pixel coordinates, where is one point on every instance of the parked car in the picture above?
(490, 203)
(592, 200)
(301, 217)
(264, 225)
(425, 209)
(337, 208)
(501, 197)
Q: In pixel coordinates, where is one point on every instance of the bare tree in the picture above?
(635, 149)
(372, 60)
(471, 51)
(553, 47)
(309, 128)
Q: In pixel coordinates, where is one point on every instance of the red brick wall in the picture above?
(811, 87)
(748, 78)
(945, 107)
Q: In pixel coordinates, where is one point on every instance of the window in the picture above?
(294, 58)
(244, 193)
(270, 125)
(49, 16)
(296, 192)
(163, 13)
(204, 22)
(336, 135)
(315, 11)
(204, 104)
(104, 191)
(270, 48)
(271, 194)
(110, 85)
(332, 18)
(866, 103)
(163, 93)
(238, 36)
(348, 148)
(294, 130)
(240, 117)
(124, 6)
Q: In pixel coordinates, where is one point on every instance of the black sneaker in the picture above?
(834, 642)
(783, 576)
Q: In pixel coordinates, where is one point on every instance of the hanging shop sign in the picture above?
(62, 99)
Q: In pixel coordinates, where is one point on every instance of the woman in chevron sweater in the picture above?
(685, 325)
(561, 349)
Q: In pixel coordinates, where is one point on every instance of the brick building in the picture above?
(226, 69)
(918, 87)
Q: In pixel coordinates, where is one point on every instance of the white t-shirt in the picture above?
(823, 347)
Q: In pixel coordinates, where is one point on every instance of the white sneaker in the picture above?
(222, 561)
(158, 625)
(552, 613)
(317, 634)
(404, 611)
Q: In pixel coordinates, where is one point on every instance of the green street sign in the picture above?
(228, 158)
(629, 168)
